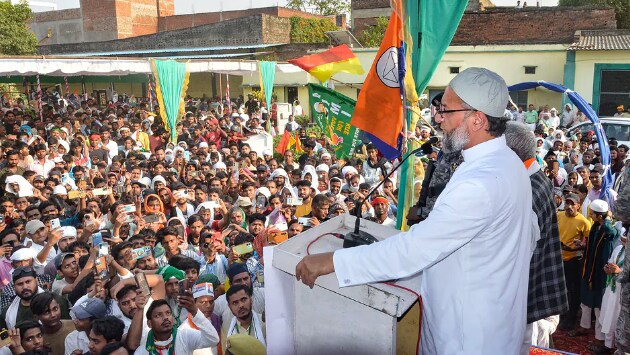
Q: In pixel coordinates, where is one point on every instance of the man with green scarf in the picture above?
(172, 276)
(167, 338)
(599, 246)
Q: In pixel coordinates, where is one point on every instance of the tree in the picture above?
(622, 8)
(15, 36)
(321, 7)
(372, 36)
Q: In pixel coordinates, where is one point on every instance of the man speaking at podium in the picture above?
(475, 246)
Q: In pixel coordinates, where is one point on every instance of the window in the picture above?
(292, 94)
(519, 98)
(614, 91)
(453, 70)
(530, 70)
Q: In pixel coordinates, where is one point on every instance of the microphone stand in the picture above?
(358, 237)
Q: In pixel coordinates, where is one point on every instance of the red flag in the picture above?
(283, 145)
(326, 64)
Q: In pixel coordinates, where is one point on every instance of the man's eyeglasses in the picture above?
(443, 112)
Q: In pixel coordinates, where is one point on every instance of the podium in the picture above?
(363, 319)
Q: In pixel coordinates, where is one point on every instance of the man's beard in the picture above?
(456, 140)
(30, 295)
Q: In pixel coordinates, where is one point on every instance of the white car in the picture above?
(618, 128)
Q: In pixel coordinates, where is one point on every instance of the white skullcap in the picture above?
(349, 170)
(279, 172)
(203, 145)
(219, 165)
(322, 167)
(600, 206)
(157, 178)
(482, 89)
(264, 191)
(146, 181)
(326, 154)
(268, 152)
(60, 190)
(68, 232)
(24, 254)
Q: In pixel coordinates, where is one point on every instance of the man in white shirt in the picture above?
(41, 165)
(84, 314)
(162, 336)
(238, 274)
(474, 247)
(109, 145)
(37, 239)
(244, 320)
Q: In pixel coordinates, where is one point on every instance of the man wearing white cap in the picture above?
(598, 247)
(37, 235)
(474, 261)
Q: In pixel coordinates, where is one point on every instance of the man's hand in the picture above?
(314, 266)
(6, 250)
(188, 302)
(314, 221)
(55, 236)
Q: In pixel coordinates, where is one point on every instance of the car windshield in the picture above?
(621, 132)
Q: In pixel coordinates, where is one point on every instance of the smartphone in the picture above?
(102, 191)
(74, 194)
(277, 237)
(5, 340)
(183, 287)
(243, 249)
(100, 268)
(306, 222)
(261, 201)
(129, 218)
(1, 218)
(129, 208)
(103, 249)
(97, 239)
(152, 218)
(140, 253)
(193, 174)
(294, 201)
(143, 285)
(260, 277)
(55, 223)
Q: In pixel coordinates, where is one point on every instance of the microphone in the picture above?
(358, 237)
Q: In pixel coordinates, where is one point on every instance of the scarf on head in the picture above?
(255, 328)
(12, 311)
(157, 348)
(244, 222)
(146, 204)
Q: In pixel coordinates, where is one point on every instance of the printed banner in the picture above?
(332, 112)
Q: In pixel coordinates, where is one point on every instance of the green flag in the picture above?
(332, 112)
(431, 24)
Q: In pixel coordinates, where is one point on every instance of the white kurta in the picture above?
(474, 251)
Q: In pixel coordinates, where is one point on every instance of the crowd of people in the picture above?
(116, 240)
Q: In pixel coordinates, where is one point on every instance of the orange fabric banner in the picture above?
(379, 108)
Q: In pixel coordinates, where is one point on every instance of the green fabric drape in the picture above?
(431, 25)
(267, 77)
(171, 85)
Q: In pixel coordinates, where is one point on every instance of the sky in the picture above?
(190, 6)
